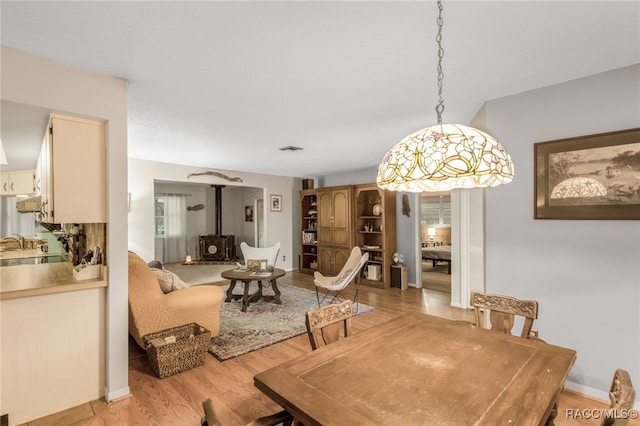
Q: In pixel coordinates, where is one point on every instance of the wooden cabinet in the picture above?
(334, 216)
(309, 214)
(375, 230)
(361, 215)
(73, 171)
(17, 183)
(332, 259)
(335, 236)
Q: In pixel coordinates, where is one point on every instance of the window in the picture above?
(159, 215)
(435, 210)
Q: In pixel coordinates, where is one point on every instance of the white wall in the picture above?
(280, 226)
(41, 82)
(584, 273)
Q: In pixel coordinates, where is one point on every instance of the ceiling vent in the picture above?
(290, 148)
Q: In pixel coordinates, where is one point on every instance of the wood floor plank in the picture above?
(177, 400)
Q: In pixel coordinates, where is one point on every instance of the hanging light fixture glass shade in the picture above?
(443, 157)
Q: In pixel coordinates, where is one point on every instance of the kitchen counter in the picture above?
(22, 254)
(46, 278)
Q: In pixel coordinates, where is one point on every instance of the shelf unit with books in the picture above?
(309, 226)
(375, 229)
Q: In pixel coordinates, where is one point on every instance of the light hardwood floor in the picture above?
(177, 400)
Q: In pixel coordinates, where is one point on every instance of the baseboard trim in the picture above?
(586, 391)
(593, 393)
(117, 394)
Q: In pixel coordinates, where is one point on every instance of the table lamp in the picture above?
(431, 232)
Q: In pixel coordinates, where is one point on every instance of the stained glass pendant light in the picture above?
(444, 156)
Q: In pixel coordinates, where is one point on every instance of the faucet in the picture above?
(18, 238)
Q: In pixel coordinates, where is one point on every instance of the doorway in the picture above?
(435, 241)
(259, 237)
(200, 216)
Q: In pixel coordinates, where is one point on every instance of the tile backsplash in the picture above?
(84, 237)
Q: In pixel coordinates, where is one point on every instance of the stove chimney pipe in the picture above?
(218, 193)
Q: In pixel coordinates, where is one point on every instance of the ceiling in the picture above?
(223, 85)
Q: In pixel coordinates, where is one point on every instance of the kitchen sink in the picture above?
(33, 260)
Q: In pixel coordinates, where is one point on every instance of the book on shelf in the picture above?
(308, 237)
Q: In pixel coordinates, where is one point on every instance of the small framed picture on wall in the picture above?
(248, 213)
(275, 203)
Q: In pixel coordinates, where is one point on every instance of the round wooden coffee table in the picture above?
(247, 277)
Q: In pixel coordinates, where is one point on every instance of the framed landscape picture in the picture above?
(588, 177)
(275, 203)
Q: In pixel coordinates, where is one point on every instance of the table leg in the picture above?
(257, 295)
(245, 298)
(276, 292)
(275, 297)
(552, 415)
(230, 291)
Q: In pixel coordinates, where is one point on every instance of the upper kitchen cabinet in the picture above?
(17, 183)
(73, 171)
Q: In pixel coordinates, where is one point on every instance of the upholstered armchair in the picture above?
(151, 310)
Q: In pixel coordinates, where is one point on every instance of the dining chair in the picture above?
(350, 272)
(211, 419)
(502, 312)
(622, 396)
(324, 324)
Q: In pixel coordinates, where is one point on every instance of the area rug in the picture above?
(264, 323)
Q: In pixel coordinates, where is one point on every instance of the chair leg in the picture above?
(355, 297)
(323, 297)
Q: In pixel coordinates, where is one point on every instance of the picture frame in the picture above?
(593, 177)
(275, 203)
(248, 213)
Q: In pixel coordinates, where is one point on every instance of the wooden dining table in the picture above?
(419, 369)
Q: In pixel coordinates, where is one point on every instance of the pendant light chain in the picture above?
(440, 106)
(444, 156)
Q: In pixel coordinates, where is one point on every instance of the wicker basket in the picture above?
(188, 351)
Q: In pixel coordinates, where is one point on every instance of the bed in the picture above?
(438, 254)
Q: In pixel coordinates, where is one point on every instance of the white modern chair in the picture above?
(350, 272)
(254, 253)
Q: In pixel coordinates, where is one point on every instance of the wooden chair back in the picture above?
(502, 312)
(324, 324)
(622, 396)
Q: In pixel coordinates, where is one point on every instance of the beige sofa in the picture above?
(151, 310)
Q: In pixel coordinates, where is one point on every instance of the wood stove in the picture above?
(216, 247)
